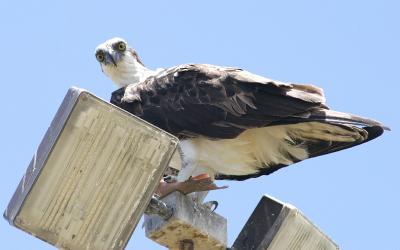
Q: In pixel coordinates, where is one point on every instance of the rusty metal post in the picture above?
(186, 245)
(192, 226)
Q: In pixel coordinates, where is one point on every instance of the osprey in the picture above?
(232, 124)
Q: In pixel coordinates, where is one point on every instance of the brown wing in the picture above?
(216, 102)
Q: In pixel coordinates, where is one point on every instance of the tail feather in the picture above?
(332, 116)
(316, 146)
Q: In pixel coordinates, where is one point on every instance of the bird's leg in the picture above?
(192, 177)
(187, 170)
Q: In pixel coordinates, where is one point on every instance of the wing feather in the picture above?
(205, 95)
(220, 103)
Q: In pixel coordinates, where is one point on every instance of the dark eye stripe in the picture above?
(100, 56)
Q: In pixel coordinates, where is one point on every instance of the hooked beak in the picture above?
(112, 57)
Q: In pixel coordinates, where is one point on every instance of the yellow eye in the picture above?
(121, 46)
(100, 56)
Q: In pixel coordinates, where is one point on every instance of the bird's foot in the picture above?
(197, 183)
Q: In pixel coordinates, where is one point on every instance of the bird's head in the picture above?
(120, 62)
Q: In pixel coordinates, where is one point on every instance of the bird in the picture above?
(232, 124)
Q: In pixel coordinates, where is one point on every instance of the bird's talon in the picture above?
(212, 205)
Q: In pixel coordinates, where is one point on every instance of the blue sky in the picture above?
(349, 48)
